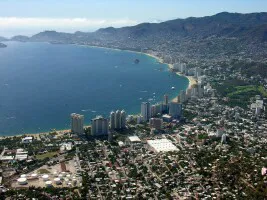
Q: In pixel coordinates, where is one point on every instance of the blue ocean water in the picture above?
(42, 84)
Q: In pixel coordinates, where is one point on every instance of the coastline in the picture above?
(36, 135)
(191, 80)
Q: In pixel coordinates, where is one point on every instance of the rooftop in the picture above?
(134, 139)
(162, 145)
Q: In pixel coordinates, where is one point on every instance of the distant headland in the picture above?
(2, 45)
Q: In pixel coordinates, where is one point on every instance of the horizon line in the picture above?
(111, 23)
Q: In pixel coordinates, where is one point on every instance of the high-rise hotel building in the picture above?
(145, 110)
(165, 105)
(118, 119)
(77, 123)
(166, 99)
(99, 126)
(112, 120)
(175, 110)
(182, 96)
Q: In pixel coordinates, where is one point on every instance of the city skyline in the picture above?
(174, 110)
(30, 17)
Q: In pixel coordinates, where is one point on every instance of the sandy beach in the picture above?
(37, 135)
(191, 79)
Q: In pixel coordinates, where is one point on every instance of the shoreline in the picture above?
(37, 134)
(191, 80)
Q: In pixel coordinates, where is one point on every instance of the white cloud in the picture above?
(11, 24)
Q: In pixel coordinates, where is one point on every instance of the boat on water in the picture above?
(173, 88)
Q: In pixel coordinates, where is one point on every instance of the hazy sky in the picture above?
(28, 17)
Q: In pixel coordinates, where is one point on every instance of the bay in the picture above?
(41, 84)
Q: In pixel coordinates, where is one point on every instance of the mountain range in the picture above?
(234, 29)
(251, 26)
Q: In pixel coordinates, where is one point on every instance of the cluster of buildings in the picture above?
(220, 153)
(172, 109)
(185, 160)
(99, 125)
(11, 155)
(118, 120)
(130, 170)
(155, 114)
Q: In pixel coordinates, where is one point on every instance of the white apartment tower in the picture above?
(123, 119)
(118, 119)
(145, 110)
(112, 120)
(77, 123)
(99, 126)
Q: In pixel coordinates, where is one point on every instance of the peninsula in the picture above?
(2, 45)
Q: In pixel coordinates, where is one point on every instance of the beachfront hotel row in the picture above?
(156, 114)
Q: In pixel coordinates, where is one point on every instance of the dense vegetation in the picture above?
(238, 92)
(250, 68)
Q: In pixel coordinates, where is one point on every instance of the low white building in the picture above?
(27, 140)
(162, 145)
(167, 118)
(66, 147)
(6, 158)
(134, 139)
(21, 157)
(120, 143)
(21, 154)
